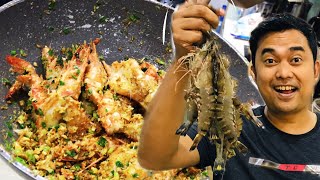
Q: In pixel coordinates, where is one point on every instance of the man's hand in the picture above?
(190, 21)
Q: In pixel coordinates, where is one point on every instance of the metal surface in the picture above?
(27, 23)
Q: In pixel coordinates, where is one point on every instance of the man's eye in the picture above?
(269, 61)
(296, 60)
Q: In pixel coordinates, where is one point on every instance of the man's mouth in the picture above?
(285, 89)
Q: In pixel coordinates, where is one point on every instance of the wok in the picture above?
(128, 28)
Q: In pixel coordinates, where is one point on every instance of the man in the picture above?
(285, 70)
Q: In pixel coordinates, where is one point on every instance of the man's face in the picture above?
(285, 72)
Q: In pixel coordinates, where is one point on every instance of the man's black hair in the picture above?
(279, 23)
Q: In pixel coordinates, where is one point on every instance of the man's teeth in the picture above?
(284, 88)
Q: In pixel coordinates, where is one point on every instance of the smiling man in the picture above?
(285, 69)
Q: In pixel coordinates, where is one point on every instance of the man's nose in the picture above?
(284, 70)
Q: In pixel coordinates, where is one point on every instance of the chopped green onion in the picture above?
(161, 73)
(43, 124)
(102, 142)
(61, 83)
(160, 61)
(39, 112)
(23, 53)
(119, 164)
(10, 134)
(52, 5)
(115, 97)
(31, 158)
(77, 167)
(60, 61)
(95, 115)
(133, 18)
(5, 81)
(50, 52)
(66, 30)
(20, 160)
(50, 28)
(135, 175)
(102, 19)
(13, 52)
(71, 153)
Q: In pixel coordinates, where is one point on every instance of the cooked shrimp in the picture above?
(127, 78)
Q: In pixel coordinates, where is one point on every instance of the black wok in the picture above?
(132, 28)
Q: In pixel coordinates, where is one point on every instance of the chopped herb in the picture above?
(135, 175)
(61, 83)
(95, 8)
(78, 70)
(39, 112)
(20, 160)
(60, 61)
(52, 5)
(10, 134)
(101, 58)
(50, 52)
(91, 172)
(102, 142)
(115, 97)
(43, 124)
(71, 153)
(51, 28)
(21, 126)
(77, 167)
(47, 86)
(8, 146)
(89, 91)
(119, 164)
(29, 102)
(51, 172)
(23, 53)
(134, 147)
(106, 110)
(57, 126)
(133, 18)
(74, 77)
(205, 173)
(32, 126)
(13, 52)
(160, 61)
(46, 148)
(9, 125)
(161, 73)
(95, 115)
(69, 55)
(66, 30)
(31, 158)
(5, 81)
(102, 19)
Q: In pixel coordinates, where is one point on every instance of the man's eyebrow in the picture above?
(297, 48)
(267, 50)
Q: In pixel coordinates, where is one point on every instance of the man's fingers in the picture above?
(195, 24)
(198, 11)
(187, 38)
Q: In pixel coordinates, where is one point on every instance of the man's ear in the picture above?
(252, 71)
(317, 70)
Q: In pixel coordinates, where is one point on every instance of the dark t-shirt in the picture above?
(269, 144)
